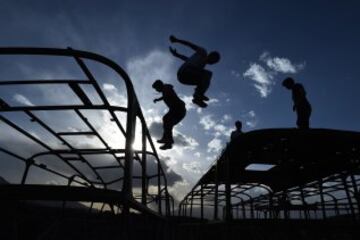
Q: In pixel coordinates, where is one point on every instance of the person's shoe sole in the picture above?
(205, 98)
(200, 103)
(166, 146)
(201, 97)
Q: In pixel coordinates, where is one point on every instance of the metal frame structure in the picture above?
(314, 174)
(87, 189)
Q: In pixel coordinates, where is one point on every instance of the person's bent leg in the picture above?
(204, 78)
(188, 76)
(167, 127)
(303, 118)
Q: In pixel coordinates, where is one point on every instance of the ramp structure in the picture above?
(86, 142)
(281, 174)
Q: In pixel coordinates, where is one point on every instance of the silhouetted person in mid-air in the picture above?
(301, 104)
(237, 132)
(193, 71)
(176, 113)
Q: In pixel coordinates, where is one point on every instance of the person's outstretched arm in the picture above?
(176, 54)
(173, 39)
(158, 99)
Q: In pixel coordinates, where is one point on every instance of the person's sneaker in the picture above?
(166, 146)
(199, 102)
(164, 141)
(205, 98)
(201, 97)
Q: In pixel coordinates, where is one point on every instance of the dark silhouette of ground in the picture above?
(301, 104)
(176, 113)
(193, 71)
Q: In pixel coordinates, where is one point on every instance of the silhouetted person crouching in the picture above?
(193, 71)
(237, 132)
(301, 104)
(176, 113)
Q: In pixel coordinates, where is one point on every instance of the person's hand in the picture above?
(155, 100)
(172, 38)
(294, 108)
(173, 50)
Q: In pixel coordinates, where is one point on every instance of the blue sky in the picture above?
(261, 43)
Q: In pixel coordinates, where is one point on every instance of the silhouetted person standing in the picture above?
(176, 113)
(193, 71)
(301, 104)
(237, 132)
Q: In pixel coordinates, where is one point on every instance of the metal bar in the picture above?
(80, 93)
(348, 196)
(159, 188)
(191, 204)
(40, 82)
(320, 182)
(228, 215)
(62, 107)
(75, 133)
(143, 168)
(132, 108)
(202, 202)
(26, 171)
(44, 125)
(356, 193)
(130, 130)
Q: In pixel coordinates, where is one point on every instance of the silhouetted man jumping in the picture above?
(176, 113)
(193, 71)
(301, 104)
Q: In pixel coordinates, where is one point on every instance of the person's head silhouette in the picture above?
(288, 83)
(238, 125)
(213, 57)
(158, 85)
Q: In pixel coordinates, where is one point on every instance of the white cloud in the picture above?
(235, 73)
(188, 102)
(252, 113)
(185, 141)
(207, 122)
(197, 154)
(115, 97)
(213, 101)
(263, 79)
(280, 64)
(109, 87)
(250, 119)
(226, 118)
(193, 167)
(179, 189)
(215, 145)
(22, 100)
(216, 127)
(144, 70)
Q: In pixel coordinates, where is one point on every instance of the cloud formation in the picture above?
(263, 79)
(144, 70)
(280, 64)
(263, 76)
(22, 100)
(250, 119)
(215, 145)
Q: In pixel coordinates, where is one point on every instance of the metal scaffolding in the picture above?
(281, 174)
(81, 186)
